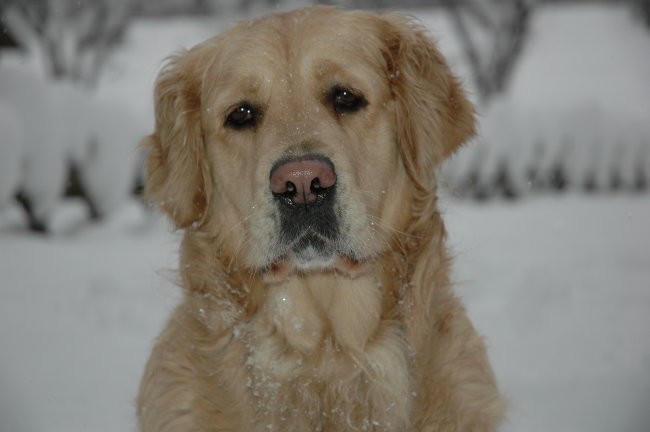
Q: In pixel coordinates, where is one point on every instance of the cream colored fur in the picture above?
(375, 342)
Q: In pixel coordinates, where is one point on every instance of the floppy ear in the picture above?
(434, 116)
(178, 174)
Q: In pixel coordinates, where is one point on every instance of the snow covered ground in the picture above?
(559, 286)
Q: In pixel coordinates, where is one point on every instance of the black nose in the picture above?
(305, 190)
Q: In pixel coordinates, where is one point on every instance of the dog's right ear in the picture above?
(178, 174)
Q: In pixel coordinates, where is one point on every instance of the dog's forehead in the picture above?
(314, 39)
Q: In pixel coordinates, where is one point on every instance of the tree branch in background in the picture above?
(643, 7)
(492, 33)
(24, 33)
(72, 38)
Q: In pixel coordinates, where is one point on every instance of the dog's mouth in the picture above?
(286, 266)
(308, 218)
(312, 250)
(318, 242)
(315, 245)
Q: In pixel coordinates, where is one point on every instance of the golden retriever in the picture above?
(297, 153)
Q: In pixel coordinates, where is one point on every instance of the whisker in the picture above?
(383, 225)
(239, 222)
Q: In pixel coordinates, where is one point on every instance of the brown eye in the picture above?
(345, 100)
(244, 116)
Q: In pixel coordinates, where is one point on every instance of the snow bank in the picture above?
(43, 129)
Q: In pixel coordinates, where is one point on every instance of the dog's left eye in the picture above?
(346, 101)
(244, 116)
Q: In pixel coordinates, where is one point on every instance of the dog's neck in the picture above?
(308, 310)
(328, 328)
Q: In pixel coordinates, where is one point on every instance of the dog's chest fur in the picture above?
(321, 357)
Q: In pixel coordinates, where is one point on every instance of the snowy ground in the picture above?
(559, 286)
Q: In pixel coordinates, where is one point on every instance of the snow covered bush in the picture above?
(49, 126)
(71, 39)
(42, 153)
(66, 44)
(583, 147)
(110, 158)
(11, 151)
(575, 116)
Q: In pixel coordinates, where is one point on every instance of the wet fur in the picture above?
(376, 342)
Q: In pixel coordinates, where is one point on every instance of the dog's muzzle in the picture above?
(304, 190)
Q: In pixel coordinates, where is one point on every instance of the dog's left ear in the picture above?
(434, 116)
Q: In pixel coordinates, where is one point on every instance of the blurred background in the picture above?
(548, 209)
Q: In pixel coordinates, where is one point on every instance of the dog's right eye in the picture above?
(243, 116)
(345, 100)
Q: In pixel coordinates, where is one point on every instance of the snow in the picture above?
(55, 123)
(584, 114)
(586, 50)
(559, 286)
(110, 161)
(38, 106)
(78, 313)
(10, 152)
(130, 75)
(579, 99)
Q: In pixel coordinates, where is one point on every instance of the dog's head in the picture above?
(302, 140)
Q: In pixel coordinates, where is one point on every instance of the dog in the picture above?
(297, 153)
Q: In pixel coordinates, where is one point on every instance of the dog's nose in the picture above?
(305, 180)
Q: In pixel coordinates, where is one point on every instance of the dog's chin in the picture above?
(314, 260)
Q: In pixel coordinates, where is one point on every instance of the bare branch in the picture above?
(73, 38)
(21, 28)
(492, 33)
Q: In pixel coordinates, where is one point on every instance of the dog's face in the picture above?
(300, 140)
